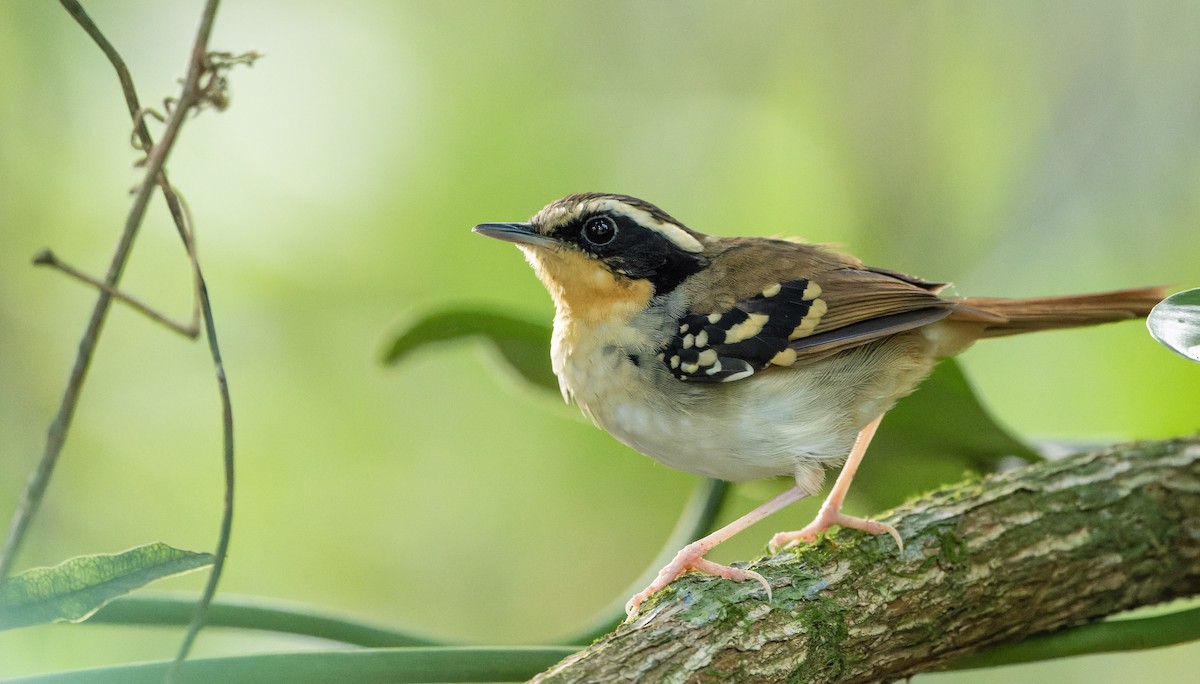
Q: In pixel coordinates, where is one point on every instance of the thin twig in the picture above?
(222, 550)
(131, 100)
(35, 488)
(145, 142)
(192, 95)
(48, 258)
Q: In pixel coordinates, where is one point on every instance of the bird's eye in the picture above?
(600, 230)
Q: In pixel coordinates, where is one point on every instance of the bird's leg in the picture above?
(691, 557)
(831, 511)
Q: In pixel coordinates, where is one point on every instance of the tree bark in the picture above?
(987, 561)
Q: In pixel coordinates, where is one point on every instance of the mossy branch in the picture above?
(985, 562)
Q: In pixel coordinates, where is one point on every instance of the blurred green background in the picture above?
(1012, 148)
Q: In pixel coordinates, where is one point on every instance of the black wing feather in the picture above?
(733, 344)
(770, 328)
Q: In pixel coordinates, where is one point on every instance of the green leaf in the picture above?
(1175, 322)
(437, 664)
(523, 343)
(932, 437)
(78, 587)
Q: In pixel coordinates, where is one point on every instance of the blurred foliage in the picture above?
(1016, 149)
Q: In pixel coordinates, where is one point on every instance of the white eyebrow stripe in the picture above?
(678, 236)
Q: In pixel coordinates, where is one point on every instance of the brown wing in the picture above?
(785, 303)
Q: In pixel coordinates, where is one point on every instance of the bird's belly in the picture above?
(684, 442)
(727, 432)
(791, 421)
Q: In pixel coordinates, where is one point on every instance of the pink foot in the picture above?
(828, 518)
(691, 557)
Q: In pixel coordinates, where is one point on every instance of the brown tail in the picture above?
(1013, 316)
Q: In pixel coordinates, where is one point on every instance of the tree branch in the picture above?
(985, 562)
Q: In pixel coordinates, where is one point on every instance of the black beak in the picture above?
(520, 233)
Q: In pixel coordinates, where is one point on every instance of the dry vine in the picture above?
(205, 85)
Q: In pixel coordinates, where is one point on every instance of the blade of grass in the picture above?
(248, 612)
(362, 666)
(1109, 636)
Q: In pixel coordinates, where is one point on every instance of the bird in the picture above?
(745, 358)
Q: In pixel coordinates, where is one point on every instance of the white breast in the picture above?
(791, 421)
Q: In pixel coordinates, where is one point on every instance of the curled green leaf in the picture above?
(78, 587)
(522, 343)
(1175, 322)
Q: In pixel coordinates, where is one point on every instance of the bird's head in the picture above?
(601, 254)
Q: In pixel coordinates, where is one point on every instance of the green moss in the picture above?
(875, 549)
(824, 622)
(953, 556)
(718, 602)
(1141, 510)
(732, 614)
(970, 486)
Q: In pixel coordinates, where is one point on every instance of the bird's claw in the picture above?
(826, 519)
(691, 557)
